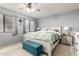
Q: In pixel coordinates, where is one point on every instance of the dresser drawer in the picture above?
(76, 39)
(76, 43)
(77, 51)
(76, 47)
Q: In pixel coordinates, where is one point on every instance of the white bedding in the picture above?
(50, 37)
(50, 31)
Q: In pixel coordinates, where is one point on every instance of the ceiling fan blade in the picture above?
(23, 5)
(21, 8)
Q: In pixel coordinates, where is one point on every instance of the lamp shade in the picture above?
(38, 28)
(66, 28)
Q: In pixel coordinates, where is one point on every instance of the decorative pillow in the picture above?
(64, 34)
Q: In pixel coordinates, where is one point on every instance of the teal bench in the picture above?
(32, 47)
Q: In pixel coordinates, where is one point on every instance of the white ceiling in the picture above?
(46, 9)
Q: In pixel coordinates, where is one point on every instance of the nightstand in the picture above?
(67, 40)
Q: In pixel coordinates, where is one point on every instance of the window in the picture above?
(9, 23)
(29, 26)
(1, 23)
(26, 25)
(32, 26)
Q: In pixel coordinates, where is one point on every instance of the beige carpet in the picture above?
(16, 50)
(63, 50)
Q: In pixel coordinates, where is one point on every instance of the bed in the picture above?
(49, 37)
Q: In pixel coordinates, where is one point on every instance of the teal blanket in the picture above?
(45, 36)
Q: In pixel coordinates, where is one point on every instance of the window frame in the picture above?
(29, 26)
(32, 24)
(3, 24)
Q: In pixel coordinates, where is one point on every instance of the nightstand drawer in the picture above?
(76, 50)
(76, 43)
(67, 40)
(76, 39)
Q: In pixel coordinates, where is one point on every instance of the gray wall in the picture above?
(70, 19)
(7, 38)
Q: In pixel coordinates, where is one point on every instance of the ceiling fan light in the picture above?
(28, 10)
(33, 9)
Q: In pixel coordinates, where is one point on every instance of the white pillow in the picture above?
(44, 29)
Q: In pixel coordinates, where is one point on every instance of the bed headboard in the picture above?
(59, 28)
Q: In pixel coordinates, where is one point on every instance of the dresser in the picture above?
(76, 44)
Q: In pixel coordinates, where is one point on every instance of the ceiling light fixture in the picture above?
(30, 7)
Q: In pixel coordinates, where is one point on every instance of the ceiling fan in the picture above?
(30, 7)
